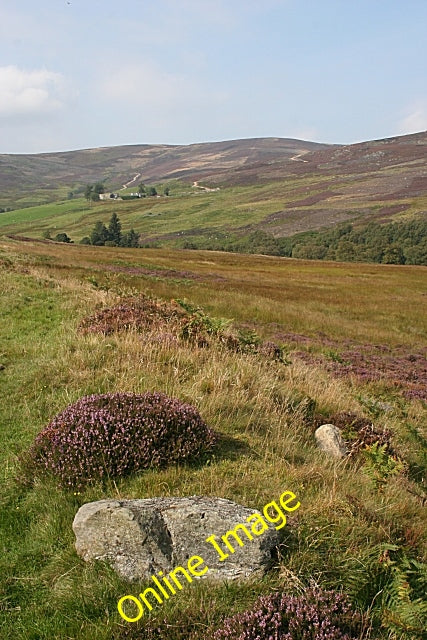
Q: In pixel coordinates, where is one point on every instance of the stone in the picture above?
(329, 440)
(141, 537)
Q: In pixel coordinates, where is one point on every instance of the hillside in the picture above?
(248, 195)
(46, 173)
(359, 158)
(309, 343)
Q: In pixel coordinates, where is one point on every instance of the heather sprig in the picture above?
(115, 434)
(314, 615)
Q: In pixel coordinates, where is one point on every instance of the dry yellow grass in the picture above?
(260, 407)
(370, 303)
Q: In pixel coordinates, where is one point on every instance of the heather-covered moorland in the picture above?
(265, 349)
(363, 202)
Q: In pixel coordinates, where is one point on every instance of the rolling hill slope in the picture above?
(21, 175)
(259, 187)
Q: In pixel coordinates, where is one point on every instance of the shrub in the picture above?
(111, 435)
(183, 320)
(199, 325)
(138, 313)
(315, 615)
(249, 340)
(62, 237)
(271, 351)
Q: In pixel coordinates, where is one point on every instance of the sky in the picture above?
(91, 73)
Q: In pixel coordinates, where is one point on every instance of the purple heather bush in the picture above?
(115, 434)
(315, 615)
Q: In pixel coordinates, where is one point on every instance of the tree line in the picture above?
(144, 191)
(392, 243)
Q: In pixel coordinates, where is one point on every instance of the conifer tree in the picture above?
(133, 238)
(100, 234)
(115, 229)
(130, 239)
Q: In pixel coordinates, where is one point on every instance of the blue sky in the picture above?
(90, 73)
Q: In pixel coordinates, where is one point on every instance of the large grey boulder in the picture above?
(141, 537)
(329, 439)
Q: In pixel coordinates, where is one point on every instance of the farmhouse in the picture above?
(109, 196)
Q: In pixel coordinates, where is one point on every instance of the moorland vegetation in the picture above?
(360, 203)
(79, 321)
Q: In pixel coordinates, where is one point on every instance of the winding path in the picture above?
(196, 185)
(125, 186)
(298, 156)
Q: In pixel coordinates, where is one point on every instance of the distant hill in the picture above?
(45, 173)
(402, 152)
(266, 195)
(390, 168)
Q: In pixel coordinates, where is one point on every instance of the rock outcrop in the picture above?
(329, 439)
(141, 537)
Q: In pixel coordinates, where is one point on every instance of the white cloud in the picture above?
(29, 93)
(415, 120)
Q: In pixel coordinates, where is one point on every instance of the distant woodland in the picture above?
(393, 243)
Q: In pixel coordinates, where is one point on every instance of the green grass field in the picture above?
(322, 314)
(191, 214)
(158, 216)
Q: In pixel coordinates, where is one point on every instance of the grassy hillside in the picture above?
(245, 195)
(353, 339)
(45, 177)
(211, 219)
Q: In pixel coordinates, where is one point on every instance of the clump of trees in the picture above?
(151, 191)
(112, 235)
(393, 243)
(60, 237)
(146, 191)
(92, 191)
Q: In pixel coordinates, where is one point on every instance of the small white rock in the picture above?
(329, 440)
